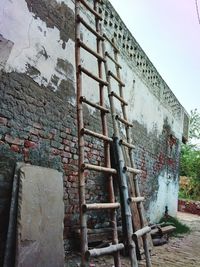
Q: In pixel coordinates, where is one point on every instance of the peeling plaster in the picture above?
(167, 195)
(35, 44)
(5, 50)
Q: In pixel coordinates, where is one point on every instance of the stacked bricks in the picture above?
(38, 126)
(189, 206)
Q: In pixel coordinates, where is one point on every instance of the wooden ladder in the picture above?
(83, 132)
(133, 202)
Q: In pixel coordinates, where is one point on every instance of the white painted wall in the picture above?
(167, 195)
(30, 36)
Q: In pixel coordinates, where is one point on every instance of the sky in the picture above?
(169, 33)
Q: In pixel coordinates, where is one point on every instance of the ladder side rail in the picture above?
(135, 182)
(111, 193)
(110, 96)
(122, 96)
(127, 208)
(140, 207)
(122, 174)
(81, 143)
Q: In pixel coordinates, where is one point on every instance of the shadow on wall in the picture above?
(7, 167)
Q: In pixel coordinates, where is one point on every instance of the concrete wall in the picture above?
(38, 96)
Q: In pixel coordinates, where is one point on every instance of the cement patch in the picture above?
(5, 49)
(55, 15)
(40, 218)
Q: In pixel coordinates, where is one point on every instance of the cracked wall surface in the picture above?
(38, 121)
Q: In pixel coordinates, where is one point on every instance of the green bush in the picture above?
(190, 159)
(190, 167)
(180, 227)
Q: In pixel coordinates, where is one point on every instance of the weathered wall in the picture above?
(37, 108)
(7, 167)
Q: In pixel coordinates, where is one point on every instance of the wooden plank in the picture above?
(164, 230)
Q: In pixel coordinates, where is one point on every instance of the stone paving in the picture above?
(183, 251)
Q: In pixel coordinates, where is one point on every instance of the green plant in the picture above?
(180, 227)
(190, 160)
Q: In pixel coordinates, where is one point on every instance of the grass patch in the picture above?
(180, 227)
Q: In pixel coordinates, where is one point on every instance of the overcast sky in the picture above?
(169, 33)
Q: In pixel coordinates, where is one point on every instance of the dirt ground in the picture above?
(183, 251)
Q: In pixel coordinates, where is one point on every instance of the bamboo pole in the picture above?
(125, 195)
(97, 206)
(104, 251)
(81, 144)
(134, 183)
(111, 193)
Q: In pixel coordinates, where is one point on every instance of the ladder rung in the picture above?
(141, 232)
(122, 142)
(99, 36)
(113, 60)
(97, 135)
(83, 99)
(91, 75)
(91, 9)
(123, 121)
(86, 166)
(119, 98)
(135, 199)
(116, 78)
(104, 251)
(132, 170)
(98, 56)
(111, 43)
(97, 206)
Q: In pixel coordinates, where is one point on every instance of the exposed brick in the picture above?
(72, 178)
(30, 144)
(15, 141)
(34, 131)
(66, 142)
(75, 157)
(68, 130)
(45, 134)
(15, 148)
(37, 125)
(3, 121)
(65, 160)
(33, 138)
(56, 144)
(53, 131)
(26, 154)
(55, 151)
(63, 135)
(67, 148)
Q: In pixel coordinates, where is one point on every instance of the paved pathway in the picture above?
(181, 251)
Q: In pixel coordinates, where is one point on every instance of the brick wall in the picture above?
(189, 206)
(38, 113)
(38, 126)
